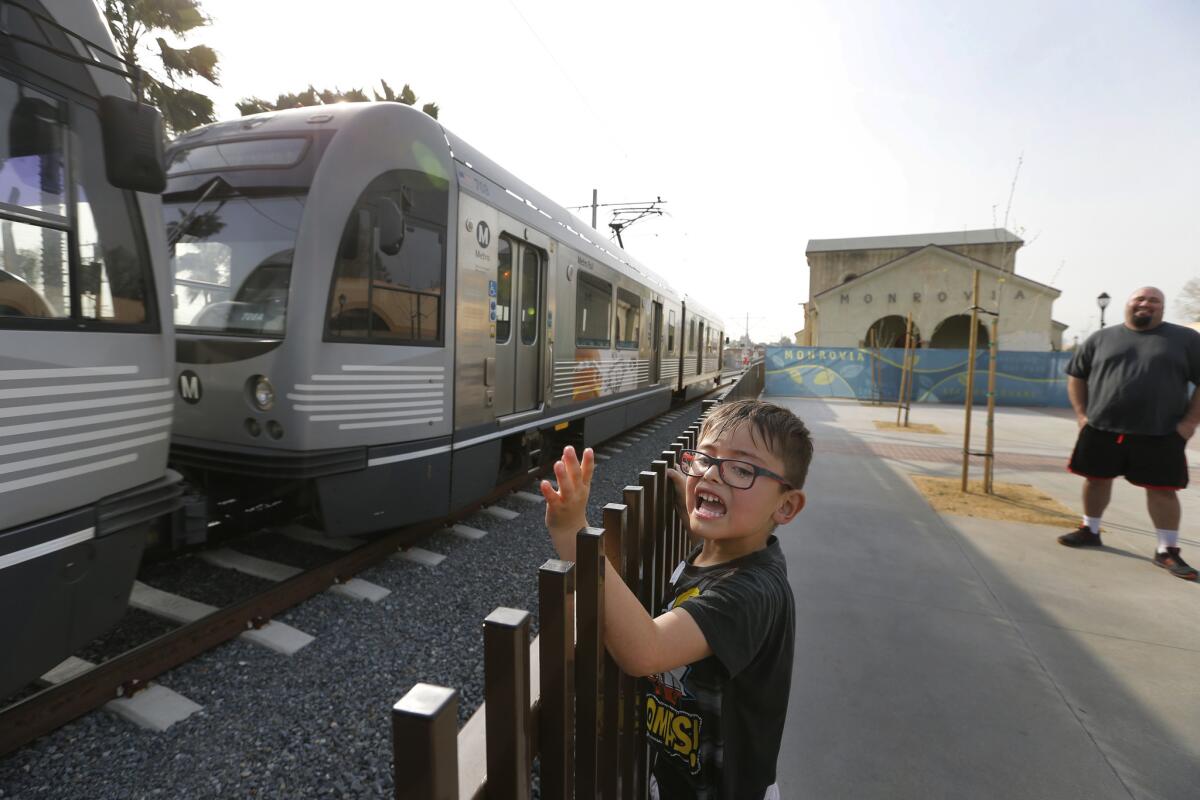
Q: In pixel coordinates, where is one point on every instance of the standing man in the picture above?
(1129, 388)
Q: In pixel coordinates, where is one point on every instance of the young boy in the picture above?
(720, 655)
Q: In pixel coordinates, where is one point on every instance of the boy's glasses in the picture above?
(735, 474)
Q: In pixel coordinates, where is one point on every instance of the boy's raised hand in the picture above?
(566, 506)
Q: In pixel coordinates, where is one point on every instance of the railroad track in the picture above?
(79, 687)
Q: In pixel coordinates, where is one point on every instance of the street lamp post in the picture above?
(1102, 301)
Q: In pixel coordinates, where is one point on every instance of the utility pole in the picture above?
(594, 207)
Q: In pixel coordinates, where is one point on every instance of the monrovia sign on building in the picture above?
(862, 291)
(941, 297)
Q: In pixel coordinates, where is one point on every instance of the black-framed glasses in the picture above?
(735, 474)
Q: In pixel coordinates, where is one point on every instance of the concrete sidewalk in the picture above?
(961, 658)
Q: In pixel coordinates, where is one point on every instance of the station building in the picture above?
(862, 290)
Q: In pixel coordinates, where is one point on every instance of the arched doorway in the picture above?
(954, 333)
(889, 332)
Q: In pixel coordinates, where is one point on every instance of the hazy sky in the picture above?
(766, 124)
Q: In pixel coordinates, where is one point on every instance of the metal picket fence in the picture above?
(562, 700)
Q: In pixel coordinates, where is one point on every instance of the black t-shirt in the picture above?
(714, 726)
(1138, 380)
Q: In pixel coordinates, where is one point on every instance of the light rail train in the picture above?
(371, 324)
(376, 324)
(86, 373)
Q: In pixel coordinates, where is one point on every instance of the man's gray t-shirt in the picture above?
(1138, 380)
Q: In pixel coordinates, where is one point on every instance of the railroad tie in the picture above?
(500, 513)
(419, 555)
(154, 708)
(467, 532)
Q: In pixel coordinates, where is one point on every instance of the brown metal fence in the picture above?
(562, 699)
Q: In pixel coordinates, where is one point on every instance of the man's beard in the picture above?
(1142, 321)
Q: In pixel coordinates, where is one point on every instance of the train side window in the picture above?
(113, 284)
(404, 309)
(593, 312)
(35, 268)
(34, 279)
(34, 159)
(671, 332)
(691, 342)
(504, 268)
(391, 292)
(531, 263)
(629, 310)
(105, 277)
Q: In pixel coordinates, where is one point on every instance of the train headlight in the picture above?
(263, 393)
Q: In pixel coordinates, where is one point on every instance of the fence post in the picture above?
(673, 529)
(589, 650)
(610, 766)
(660, 524)
(651, 541)
(506, 695)
(676, 450)
(556, 656)
(425, 744)
(633, 744)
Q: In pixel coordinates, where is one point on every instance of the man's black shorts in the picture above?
(1152, 462)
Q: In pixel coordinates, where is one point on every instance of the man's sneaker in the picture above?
(1171, 562)
(1083, 537)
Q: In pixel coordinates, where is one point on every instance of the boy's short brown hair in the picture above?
(776, 428)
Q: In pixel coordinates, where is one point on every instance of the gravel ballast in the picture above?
(317, 724)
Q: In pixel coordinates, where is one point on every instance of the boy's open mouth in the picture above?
(708, 505)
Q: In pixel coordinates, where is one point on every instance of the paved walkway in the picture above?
(947, 657)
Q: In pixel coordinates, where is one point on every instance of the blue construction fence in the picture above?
(1022, 378)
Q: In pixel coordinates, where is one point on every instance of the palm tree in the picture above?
(317, 97)
(132, 22)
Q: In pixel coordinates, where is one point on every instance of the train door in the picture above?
(656, 344)
(700, 348)
(520, 304)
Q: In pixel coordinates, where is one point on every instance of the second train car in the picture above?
(376, 323)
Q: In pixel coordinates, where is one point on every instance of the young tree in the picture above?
(1189, 300)
(318, 97)
(132, 22)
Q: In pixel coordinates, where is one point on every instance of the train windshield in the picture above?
(231, 258)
